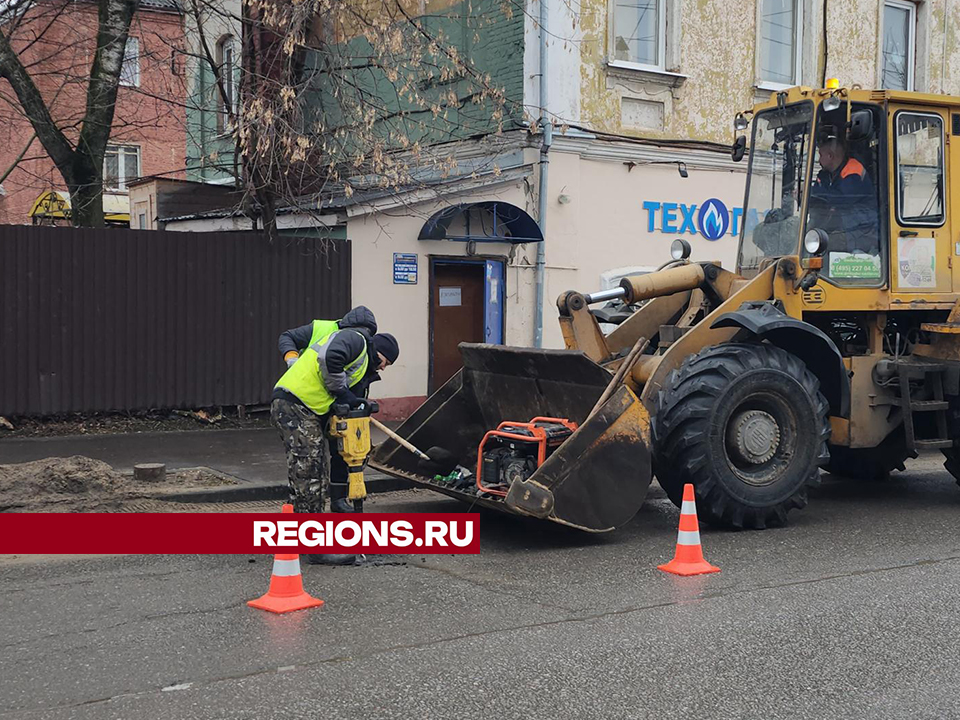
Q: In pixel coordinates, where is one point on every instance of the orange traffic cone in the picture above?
(286, 585)
(689, 556)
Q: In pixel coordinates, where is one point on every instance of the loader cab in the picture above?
(846, 206)
(817, 167)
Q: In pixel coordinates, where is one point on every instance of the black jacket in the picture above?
(339, 351)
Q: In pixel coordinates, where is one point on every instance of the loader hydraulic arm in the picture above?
(580, 328)
(664, 282)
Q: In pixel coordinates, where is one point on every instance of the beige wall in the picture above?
(714, 46)
(143, 199)
(404, 309)
(603, 225)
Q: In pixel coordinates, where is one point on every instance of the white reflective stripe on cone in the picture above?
(689, 507)
(688, 537)
(286, 568)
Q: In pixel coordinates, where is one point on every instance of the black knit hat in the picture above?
(386, 344)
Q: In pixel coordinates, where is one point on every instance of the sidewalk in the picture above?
(252, 456)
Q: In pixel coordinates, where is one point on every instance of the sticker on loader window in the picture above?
(854, 266)
(917, 262)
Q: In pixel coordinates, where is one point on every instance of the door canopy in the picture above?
(487, 221)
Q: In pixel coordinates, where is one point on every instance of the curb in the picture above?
(246, 492)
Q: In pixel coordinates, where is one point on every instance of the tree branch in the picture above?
(13, 165)
(34, 107)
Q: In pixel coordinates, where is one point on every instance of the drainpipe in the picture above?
(547, 129)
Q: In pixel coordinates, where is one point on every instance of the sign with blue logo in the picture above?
(404, 268)
(711, 219)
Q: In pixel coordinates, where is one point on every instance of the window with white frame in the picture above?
(130, 70)
(121, 165)
(229, 75)
(898, 45)
(781, 33)
(639, 32)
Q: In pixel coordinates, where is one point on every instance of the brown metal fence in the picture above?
(112, 319)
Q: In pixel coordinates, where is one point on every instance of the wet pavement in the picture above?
(254, 456)
(849, 612)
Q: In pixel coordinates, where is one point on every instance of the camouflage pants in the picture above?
(308, 455)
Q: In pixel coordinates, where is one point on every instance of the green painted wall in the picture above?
(209, 152)
(487, 33)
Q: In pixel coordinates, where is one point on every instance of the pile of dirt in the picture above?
(82, 484)
(73, 484)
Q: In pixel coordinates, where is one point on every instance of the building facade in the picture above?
(213, 39)
(640, 96)
(149, 120)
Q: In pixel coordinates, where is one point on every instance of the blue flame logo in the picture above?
(713, 220)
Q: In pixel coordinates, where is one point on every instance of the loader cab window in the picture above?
(779, 152)
(844, 197)
(920, 187)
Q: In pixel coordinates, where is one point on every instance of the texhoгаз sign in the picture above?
(710, 219)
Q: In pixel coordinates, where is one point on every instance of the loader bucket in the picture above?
(595, 481)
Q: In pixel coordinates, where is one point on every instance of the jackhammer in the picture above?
(351, 428)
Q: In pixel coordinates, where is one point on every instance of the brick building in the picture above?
(55, 41)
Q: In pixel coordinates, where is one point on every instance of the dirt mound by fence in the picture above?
(82, 484)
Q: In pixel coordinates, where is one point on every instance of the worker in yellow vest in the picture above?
(328, 362)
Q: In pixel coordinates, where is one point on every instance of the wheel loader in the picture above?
(835, 344)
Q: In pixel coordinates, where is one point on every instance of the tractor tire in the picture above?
(746, 424)
(870, 463)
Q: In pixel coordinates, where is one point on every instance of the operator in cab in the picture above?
(843, 199)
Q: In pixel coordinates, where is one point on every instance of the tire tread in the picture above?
(684, 406)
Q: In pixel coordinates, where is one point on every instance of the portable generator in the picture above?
(515, 450)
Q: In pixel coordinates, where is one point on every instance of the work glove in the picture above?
(290, 358)
(348, 398)
(774, 216)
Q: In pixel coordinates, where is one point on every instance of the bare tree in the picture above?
(344, 96)
(77, 149)
(335, 96)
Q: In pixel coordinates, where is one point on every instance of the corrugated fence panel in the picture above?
(96, 320)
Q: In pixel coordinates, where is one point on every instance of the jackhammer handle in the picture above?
(393, 436)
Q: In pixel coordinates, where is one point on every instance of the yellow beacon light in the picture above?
(833, 84)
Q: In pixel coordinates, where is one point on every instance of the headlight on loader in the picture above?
(679, 249)
(815, 241)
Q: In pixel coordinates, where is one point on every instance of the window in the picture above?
(143, 221)
(780, 37)
(121, 165)
(639, 32)
(226, 60)
(844, 200)
(920, 185)
(898, 45)
(130, 70)
(779, 154)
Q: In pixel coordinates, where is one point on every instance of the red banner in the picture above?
(238, 533)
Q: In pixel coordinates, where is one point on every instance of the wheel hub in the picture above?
(754, 436)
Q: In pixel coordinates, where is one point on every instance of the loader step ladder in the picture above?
(932, 376)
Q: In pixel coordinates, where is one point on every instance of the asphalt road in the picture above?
(254, 456)
(850, 612)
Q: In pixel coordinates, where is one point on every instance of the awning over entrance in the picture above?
(54, 205)
(487, 221)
